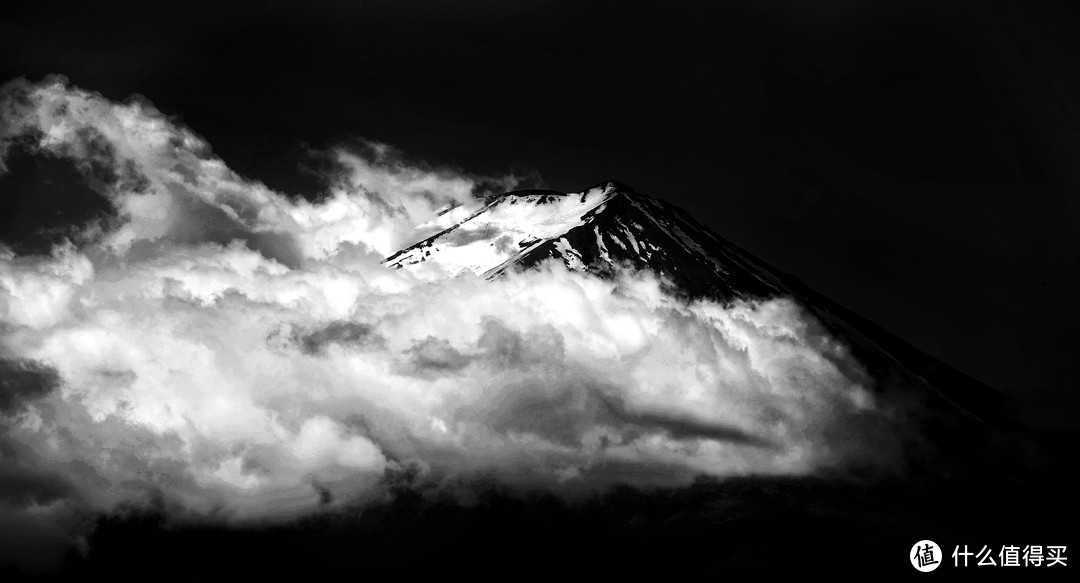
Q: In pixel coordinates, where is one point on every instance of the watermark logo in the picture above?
(925, 555)
(1011, 556)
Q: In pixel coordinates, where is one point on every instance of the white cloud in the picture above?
(167, 185)
(200, 364)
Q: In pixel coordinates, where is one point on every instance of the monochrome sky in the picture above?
(208, 189)
(220, 350)
(915, 161)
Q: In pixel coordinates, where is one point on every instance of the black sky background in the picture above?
(916, 161)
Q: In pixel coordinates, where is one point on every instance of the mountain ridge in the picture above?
(610, 226)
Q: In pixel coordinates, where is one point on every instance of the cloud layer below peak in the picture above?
(241, 354)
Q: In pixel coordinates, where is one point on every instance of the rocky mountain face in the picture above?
(612, 226)
(604, 227)
(968, 444)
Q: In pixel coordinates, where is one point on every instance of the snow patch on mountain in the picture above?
(505, 228)
(602, 230)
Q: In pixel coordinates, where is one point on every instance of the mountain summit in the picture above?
(598, 230)
(610, 226)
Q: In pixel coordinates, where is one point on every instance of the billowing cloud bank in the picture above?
(239, 353)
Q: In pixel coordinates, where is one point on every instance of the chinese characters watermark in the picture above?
(1011, 556)
(926, 556)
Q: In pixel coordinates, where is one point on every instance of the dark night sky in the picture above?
(917, 161)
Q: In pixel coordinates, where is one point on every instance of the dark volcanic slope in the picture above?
(637, 231)
(959, 425)
(604, 227)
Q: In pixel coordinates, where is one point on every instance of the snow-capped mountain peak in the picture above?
(598, 229)
(505, 228)
(611, 226)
